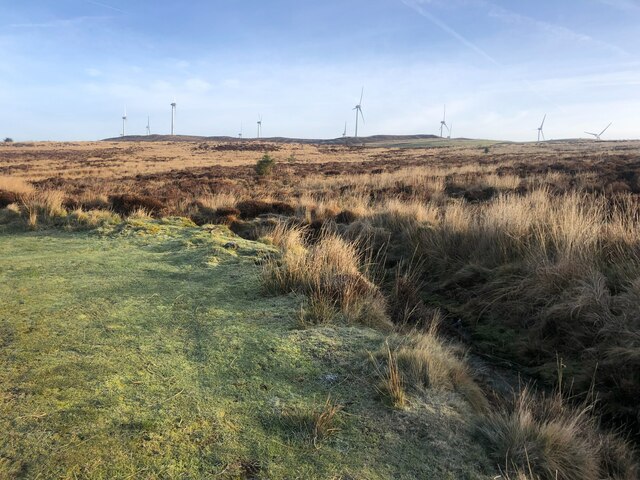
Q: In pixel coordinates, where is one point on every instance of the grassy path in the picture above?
(152, 353)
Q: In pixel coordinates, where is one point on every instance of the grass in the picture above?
(332, 272)
(549, 439)
(149, 351)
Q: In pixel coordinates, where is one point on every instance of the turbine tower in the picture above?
(240, 134)
(598, 135)
(540, 129)
(443, 123)
(148, 126)
(173, 115)
(450, 130)
(124, 122)
(358, 109)
(259, 125)
(344, 134)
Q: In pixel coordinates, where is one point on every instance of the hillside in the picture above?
(309, 141)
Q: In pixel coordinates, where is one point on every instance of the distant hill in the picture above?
(334, 141)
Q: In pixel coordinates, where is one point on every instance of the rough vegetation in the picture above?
(463, 259)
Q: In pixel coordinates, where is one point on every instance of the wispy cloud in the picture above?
(626, 5)
(549, 29)
(60, 23)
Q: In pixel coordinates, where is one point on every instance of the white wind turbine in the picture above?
(173, 115)
(344, 134)
(443, 123)
(541, 129)
(124, 122)
(259, 125)
(358, 109)
(598, 135)
(148, 126)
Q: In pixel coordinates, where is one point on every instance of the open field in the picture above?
(435, 281)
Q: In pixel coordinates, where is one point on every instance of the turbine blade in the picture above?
(362, 115)
(543, 119)
(606, 128)
(361, 96)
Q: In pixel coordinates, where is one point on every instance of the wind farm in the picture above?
(257, 285)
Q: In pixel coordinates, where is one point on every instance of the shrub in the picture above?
(127, 204)
(253, 208)
(264, 166)
(7, 198)
(8, 140)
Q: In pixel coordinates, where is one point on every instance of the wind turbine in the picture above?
(173, 115)
(148, 126)
(443, 123)
(240, 134)
(358, 109)
(259, 125)
(344, 134)
(124, 122)
(598, 135)
(450, 130)
(540, 129)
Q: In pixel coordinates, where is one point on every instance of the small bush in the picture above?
(7, 198)
(264, 166)
(253, 208)
(127, 204)
(8, 140)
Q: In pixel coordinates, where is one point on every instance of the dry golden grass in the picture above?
(15, 185)
(426, 362)
(549, 439)
(331, 272)
(391, 384)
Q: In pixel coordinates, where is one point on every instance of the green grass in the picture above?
(150, 351)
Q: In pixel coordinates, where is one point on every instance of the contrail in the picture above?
(439, 23)
(472, 46)
(98, 4)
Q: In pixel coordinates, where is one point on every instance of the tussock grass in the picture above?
(391, 384)
(425, 361)
(549, 439)
(332, 271)
(313, 425)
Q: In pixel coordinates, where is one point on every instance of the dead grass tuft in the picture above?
(551, 439)
(330, 272)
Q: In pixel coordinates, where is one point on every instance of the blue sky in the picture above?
(69, 67)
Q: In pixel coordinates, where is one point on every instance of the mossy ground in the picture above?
(150, 351)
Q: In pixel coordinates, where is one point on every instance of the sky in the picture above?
(69, 68)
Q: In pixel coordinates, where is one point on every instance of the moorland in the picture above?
(259, 309)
